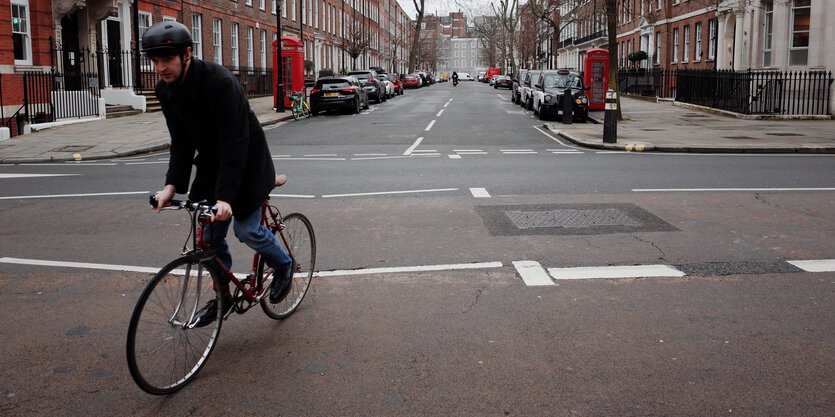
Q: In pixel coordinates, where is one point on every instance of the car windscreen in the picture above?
(362, 76)
(332, 84)
(563, 81)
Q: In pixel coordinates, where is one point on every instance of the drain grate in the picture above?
(570, 218)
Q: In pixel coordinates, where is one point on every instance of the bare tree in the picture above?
(487, 30)
(358, 40)
(508, 15)
(419, 6)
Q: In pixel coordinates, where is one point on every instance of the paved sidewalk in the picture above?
(664, 127)
(110, 138)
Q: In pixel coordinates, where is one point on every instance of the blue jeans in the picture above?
(251, 232)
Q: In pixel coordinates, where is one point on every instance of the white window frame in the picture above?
(711, 39)
(249, 3)
(217, 40)
(263, 49)
(795, 49)
(169, 19)
(197, 35)
(25, 32)
(698, 34)
(263, 5)
(147, 19)
(234, 32)
(768, 29)
(250, 58)
(675, 45)
(686, 52)
(293, 9)
(657, 58)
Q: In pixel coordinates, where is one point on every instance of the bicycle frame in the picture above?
(270, 217)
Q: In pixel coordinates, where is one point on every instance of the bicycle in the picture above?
(165, 350)
(299, 106)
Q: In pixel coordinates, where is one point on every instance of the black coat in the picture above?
(209, 114)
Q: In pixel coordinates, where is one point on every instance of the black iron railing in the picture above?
(49, 96)
(746, 92)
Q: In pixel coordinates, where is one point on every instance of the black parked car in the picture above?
(550, 88)
(371, 83)
(338, 93)
(516, 89)
(503, 81)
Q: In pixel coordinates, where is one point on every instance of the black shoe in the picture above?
(208, 313)
(282, 280)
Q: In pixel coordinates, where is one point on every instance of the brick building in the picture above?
(96, 40)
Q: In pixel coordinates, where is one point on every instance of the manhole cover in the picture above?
(73, 148)
(785, 134)
(569, 219)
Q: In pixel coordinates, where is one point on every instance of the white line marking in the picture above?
(292, 196)
(380, 157)
(467, 150)
(440, 113)
(432, 123)
(425, 150)
(146, 163)
(516, 150)
(676, 190)
(447, 103)
(480, 192)
(549, 135)
(414, 145)
(308, 159)
(321, 155)
(426, 154)
(425, 268)
(532, 273)
(86, 265)
(92, 164)
(370, 154)
(626, 271)
(73, 195)
(454, 156)
(473, 153)
(437, 190)
(817, 265)
(519, 152)
(9, 176)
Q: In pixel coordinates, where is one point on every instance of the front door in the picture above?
(72, 58)
(114, 52)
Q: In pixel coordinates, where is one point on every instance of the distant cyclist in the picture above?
(208, 115)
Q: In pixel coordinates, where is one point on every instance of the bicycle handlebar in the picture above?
(179, 204)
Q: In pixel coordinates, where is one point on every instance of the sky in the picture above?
(444, 7)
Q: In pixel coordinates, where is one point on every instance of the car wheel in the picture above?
(542, 115)
(356, 109)
(529, 104)
(367, 104)
(582, 118)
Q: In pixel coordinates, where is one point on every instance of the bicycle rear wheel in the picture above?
(302, 246)
(163, 353)
(305, 109)
(295, 110)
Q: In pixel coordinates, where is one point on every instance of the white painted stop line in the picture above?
(626, 271)
(480, 192)
(8, 176)
(532, 273)
(817, 265)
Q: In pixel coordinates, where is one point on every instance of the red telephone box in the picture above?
(596, 76)
(292, 67)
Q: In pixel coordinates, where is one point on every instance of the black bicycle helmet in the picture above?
(166, 38)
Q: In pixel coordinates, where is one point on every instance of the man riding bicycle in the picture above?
(207, 113)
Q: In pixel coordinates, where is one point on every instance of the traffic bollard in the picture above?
(610, 121)
(567, 107)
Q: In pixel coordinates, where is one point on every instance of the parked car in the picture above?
(388, 86)
(371, 83)
(516, 89)
(338, 93)
(481, 76)
(503, 81)
(411, 81)
(549, 90)
(464, 76)
(398, 85)
(531, 78)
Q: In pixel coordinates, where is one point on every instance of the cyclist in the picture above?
(208, 113)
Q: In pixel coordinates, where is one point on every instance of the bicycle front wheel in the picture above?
(164, 352)
(305, 109)
(301, 245)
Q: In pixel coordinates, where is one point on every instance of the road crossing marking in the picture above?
(454, 156)
(10, 176)
(532, 273)
(479, 192)
(436, 190)
(20, 197)
(818, 265)
(625, 271)
(414, 145)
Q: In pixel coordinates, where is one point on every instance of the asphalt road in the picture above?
(430, 180)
